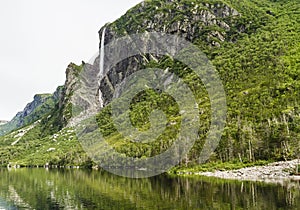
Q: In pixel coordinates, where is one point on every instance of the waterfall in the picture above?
(101, 65)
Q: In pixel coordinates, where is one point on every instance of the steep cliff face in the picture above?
(207, 24)
(65, 104)
(61, 112)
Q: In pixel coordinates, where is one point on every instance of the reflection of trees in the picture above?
(97, 189)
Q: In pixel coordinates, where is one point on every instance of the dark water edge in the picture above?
(90, 189)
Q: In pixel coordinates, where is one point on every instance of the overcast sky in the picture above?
(39, 39)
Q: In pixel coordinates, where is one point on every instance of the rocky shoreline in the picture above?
(276, 172)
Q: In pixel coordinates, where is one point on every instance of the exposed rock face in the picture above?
(64, 101)
(71, 80)
(205, 22)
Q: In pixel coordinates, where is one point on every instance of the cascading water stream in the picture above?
(101, 64)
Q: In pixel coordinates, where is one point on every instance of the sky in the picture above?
(38, 39)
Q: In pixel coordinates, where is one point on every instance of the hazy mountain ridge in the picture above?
(41, 105)
(3, 122)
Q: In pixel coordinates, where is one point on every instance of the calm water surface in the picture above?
(80, 189)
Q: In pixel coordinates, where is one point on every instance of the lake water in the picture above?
(84, 189)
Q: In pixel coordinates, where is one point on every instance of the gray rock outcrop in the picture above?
(210, 22)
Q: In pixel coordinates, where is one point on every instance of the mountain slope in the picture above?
(255, 48)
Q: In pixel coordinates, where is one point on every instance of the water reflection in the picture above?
(80, 189)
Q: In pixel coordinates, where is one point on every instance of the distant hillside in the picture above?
(3, 122)
(41, 105)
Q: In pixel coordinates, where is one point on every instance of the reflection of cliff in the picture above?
(75, 189)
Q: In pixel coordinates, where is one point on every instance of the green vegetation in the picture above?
(258, 62)
(31, 149)
(259, 66)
